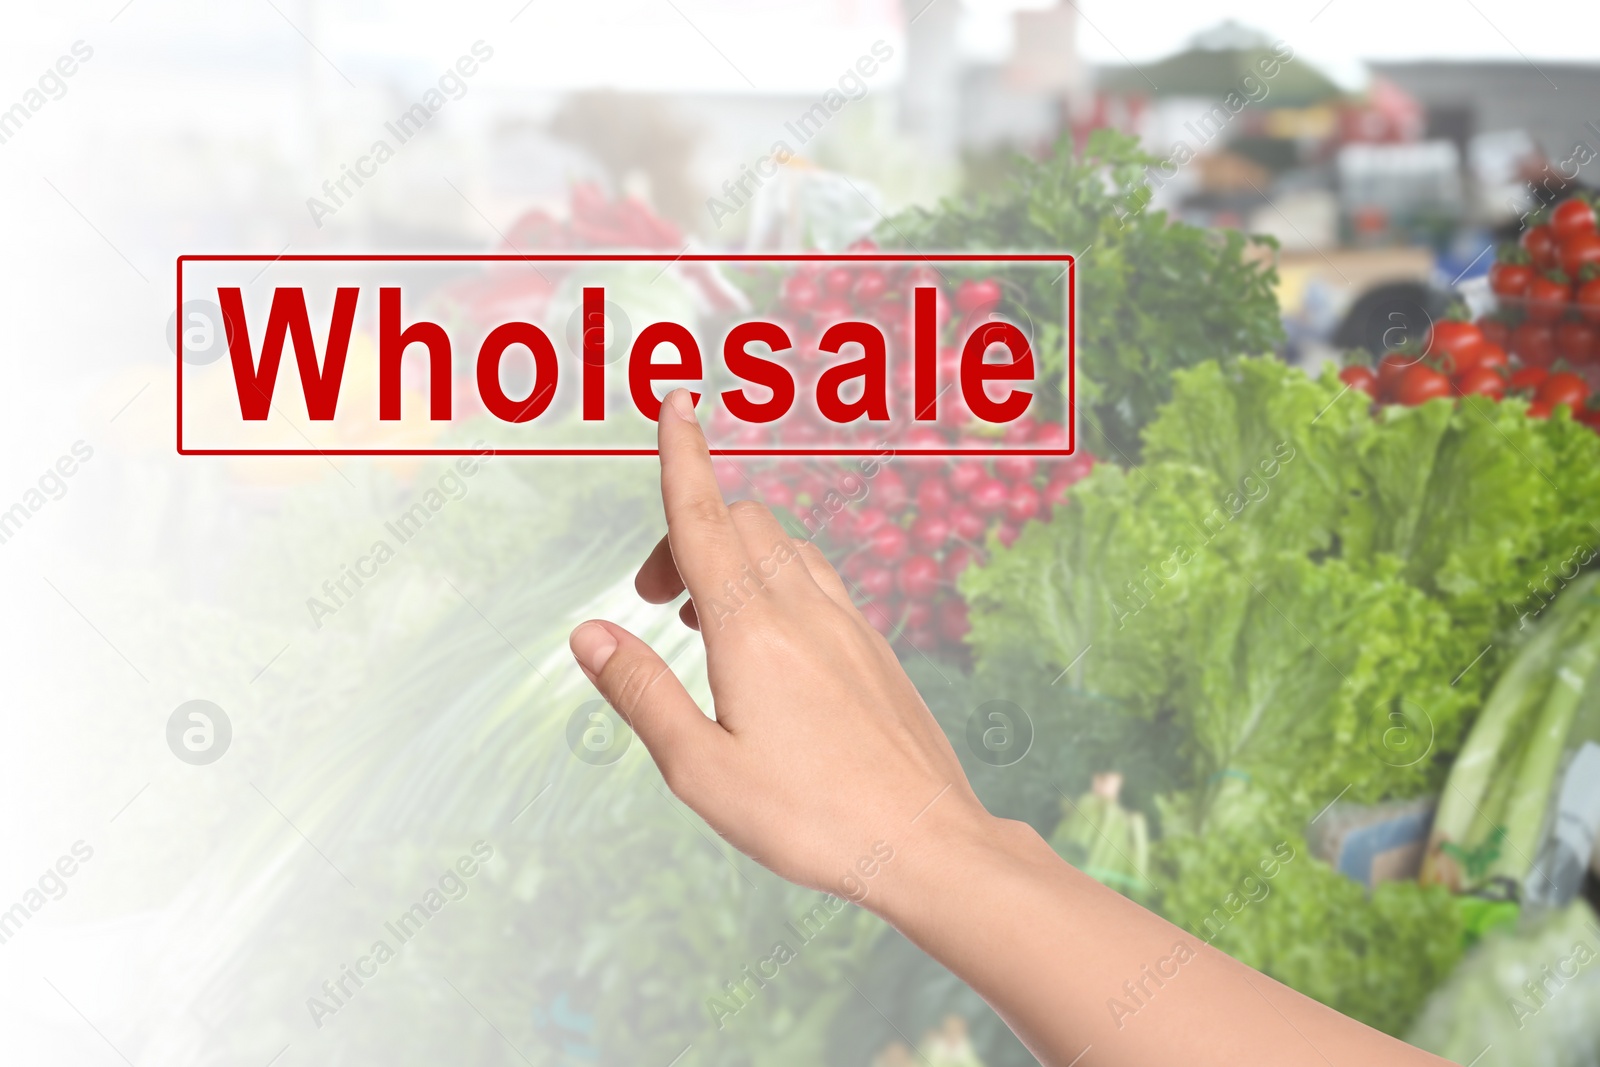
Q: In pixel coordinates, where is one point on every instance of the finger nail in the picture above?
(683, 405)
(592, 645)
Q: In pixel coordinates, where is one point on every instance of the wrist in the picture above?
(946, 855)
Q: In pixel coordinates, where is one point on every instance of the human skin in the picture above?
(822, 751)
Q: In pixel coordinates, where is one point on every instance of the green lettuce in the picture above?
(1153, 293)
(1296, 583)
(1373, 957)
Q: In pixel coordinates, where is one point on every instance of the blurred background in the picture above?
(1265, 199)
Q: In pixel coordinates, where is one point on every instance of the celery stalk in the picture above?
(1536, 774)
(1510, 709)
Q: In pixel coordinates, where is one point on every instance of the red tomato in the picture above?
(1572, 218)
(1527, 378)
(1492, 357)
(1580, 251)
(1576, 340)
(1509, 281)
(1563, 387)
(1534, 343)
(1548, 296)
(1588, 299)
(1454, 341)
(1391, 368)
(1421, 384)
(1538, 410)
(1055, 494)
(1359, 377)
(1540, 241)
(1480, 381)
(1495, 331)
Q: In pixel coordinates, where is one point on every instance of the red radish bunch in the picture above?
(916, 523)
(594, 222)
(903, 534)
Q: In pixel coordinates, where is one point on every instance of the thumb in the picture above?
(644, 691)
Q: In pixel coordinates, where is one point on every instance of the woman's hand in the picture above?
(824, 764)
(822, 760)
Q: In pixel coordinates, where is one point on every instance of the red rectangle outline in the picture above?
(1067, 258)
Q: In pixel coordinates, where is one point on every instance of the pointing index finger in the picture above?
(705, 545)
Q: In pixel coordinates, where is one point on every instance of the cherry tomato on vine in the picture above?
(1548, 296)
(1563, 387)
(1492, 357)
(1579, 252)
(1588, 299)
(1421, 384)
(1534, 343)
(1526, 378)
(1454, 341)
(1509, 281)
(1577, 341)
(1572, 218)
(1359, 377)
(1391, 368)
(1480, 381)
(1540, 242)
(1495, 331)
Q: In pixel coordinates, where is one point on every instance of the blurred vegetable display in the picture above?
(1540, 343)
(1103, 839)
(1532, 996)
(1494, 809)
(902, 551)
(1154, 294)
(1269, 598)
(1306, 600)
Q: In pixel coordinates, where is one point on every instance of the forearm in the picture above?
(820, 749)
(1072, 965)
